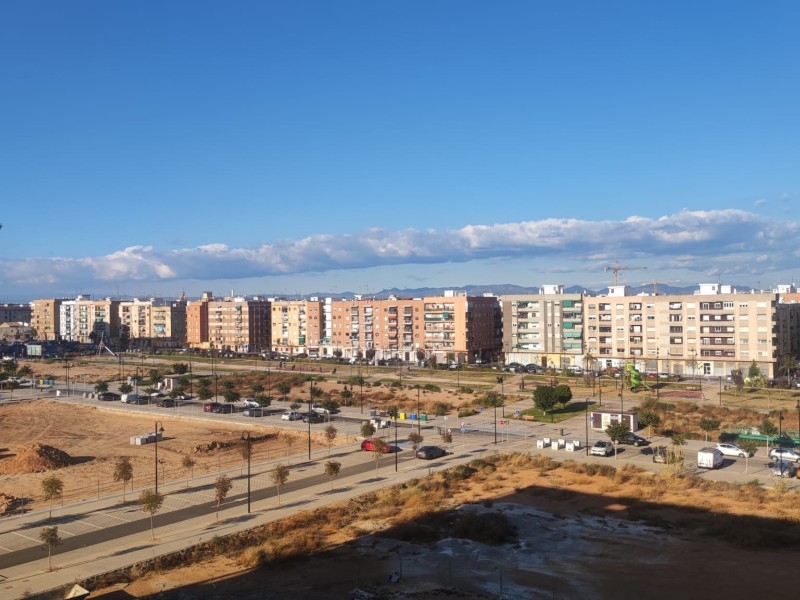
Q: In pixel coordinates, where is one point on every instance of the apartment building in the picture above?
(16, 313)
(45, 318)
(238, 324)
(89, 321)
(197, 321)
(711, 332)
(544, 329)
(376, 329)
(463, 329)
(151, 324)
(297, 326)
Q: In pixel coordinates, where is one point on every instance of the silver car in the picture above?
(782, 468)
(731, 450)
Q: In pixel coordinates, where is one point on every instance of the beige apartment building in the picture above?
(545, 329)
(297, 326)
(90, 321)
(152, 324)
(238, 324)
(45, 319)
(197, 321)
(711, 332)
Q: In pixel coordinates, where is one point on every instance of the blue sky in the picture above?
(150, 148)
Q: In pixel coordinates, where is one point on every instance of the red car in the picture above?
(369, 446)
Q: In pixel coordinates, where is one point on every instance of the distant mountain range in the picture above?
(508, 289)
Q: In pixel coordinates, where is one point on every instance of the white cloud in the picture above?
(718, 242)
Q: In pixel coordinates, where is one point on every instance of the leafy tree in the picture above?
(367, 429)
(204, 391)
(617, 432)
(123, 471)
(370, 354)
(295, 405)
(263, 400)
(329, 404)
(228, 385)
(346, 395)
(257, 389)
(709, 424)
(279, 476)
(231, 396)
(101, 386)
(188, 463)
(750, 448)
(154, 377)
(753, 372)
(769, 429)
(316, 392)
(284, 388)
(544, 398)
(330, 436)
(151, 502)
(52, 488)
(50, 538)
(332, 469)
(180, 368)
(222, 486)
(416, 441)
(379, 448)
(649, 419)
(288, 439)
(447, 438)
(125, 387)
(563, 394)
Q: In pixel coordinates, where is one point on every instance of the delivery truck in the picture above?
(709, 458)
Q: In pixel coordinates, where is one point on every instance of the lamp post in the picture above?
(419, 416)
(310, 401)
(245, 437)
(586, 418)
(67, 367)
(159, 428)
(495, 422)
(797, 407)
(361, 393)
(780, 427)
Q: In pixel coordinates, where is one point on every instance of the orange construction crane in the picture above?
(616, 267)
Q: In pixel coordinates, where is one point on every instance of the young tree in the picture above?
(125, 388)
(222, 486)
(50, 538)
(279, 476)
(52, 488)
(246, 450)
(332, 469)
(257, 389)
(123, 471)
(180, 368)
(750, 448)
(151, 502)
(447, 438)
(753, 372)
(284, 388)
(709, 424)
(563, 394)
(617, 432)
(288, 439)
(204, 391)
(330, 436)
(367, 429)
(416, 441)
(769, 429)
(295, 405)
(544, 398)
(345, 395)
(101, 386)
(188, 463)
(231, 396)
(379, 448)
(649, 419)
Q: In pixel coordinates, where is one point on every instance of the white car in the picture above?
(601, 448)
(731, 450)
(292, 416)
(785, 454)
(250, 403)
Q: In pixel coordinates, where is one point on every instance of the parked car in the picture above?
(369, 446)
(135, 399)
(602, 448)
(253, 412)
(785, 454)
(210, 406)
(223, 408)
(731, 450)
(781, 468)
(660, 454)
(635, 440)
(431, 452)
(109, 396)
(325, 410)
(313, 417)
(165, 403)
(291, 416)
(250, 403)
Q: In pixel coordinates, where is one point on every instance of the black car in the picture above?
(313, 417)
(109, 396)
(431, 452)
(634, 440)
(165, 403)
(223, 409)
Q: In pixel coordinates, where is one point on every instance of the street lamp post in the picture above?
(159, 428)
(586, 418)
(245, 437)
(419, 415)
(361, 393)
(797, 407)
(495, 422)
(780, 427)
(310, 401)
(396, 449)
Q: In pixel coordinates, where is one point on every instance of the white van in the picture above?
(709, 458)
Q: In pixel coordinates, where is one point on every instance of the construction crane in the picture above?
(616, 268)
